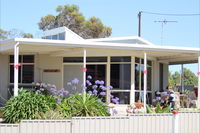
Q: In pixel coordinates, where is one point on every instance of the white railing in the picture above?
(188, 122)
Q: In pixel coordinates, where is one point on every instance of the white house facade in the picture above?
(132, 65)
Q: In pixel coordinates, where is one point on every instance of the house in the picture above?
(132, 65)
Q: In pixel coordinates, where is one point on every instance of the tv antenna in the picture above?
(162, 25)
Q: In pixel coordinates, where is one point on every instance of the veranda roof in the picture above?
(167, 54)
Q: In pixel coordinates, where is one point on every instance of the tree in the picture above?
(27, 35)
(69, 16)
(189, 78)
(13, 33)
(3, 34)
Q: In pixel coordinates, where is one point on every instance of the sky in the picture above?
(121, 15)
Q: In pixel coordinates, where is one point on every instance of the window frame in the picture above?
(21, 73)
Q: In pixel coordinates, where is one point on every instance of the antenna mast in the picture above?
(162, 24)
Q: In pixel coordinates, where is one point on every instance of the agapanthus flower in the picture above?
(158, 98)
(89, 77)
(95, 92)
(97, 82)
(69, 83)
(164, 93)
(59, 101)
(101, 82)
(111, 96)
(38, 91)
(90, 92)
(99, 100)
(94, 87)
(102, 93)
(103, 87)
(115, 111)
(110, 87)
(75, 81)
(88, 82)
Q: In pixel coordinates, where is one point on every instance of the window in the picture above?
(61, 36)
(54, 37)
(139, 79)
(26, 70)
(120, 78)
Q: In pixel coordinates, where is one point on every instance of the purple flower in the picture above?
(89, 77)
(95, 92)
(110, 87)
(103, 104)
(115, 100)
(73, 87)
(90, 92)
(101, 82)
(103, 87)
(111, 96)
(38, 91)
(103, 93)
(99, 100)
(75, 81)
(66, 92)
(97, 82)
(88, 82)
(61, 95)
(115, 111)
(164, 93)
(158, 98)
(69, 83)
(59, 101)
(162, 101)
(94, 87)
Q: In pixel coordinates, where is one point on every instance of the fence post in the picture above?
(175, 121)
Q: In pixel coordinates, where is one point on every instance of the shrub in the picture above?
(26, 105)
(83, 105)
(50, 115)
(1, 112)
(159, 109)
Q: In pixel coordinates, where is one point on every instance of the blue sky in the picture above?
(121, 15)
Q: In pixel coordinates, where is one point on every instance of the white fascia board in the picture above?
(88, 44)
(112, 38)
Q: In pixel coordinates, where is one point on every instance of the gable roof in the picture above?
(126, 40)
(69, 34)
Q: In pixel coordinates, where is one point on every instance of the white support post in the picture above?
(182, 78)
(16, 68)
(84, 68)
(145, 80)
(198, 106)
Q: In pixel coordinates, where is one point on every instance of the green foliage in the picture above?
(69, 16)
(83, 105)
(27, 35)
(158, 109)
(26, 105)
(3, 34)
(189, 78)
(50, 115)
(1, 112)
(13, 33)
